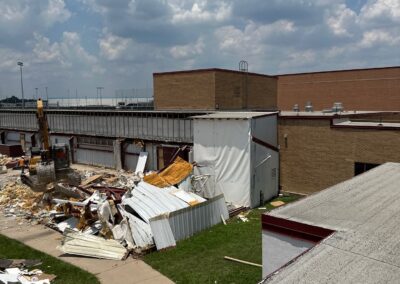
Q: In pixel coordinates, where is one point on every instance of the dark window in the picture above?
(360, 168)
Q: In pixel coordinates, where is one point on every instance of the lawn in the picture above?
(66, 273)
(200, 259)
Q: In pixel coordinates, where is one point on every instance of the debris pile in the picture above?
(14, 271)
(111, 215)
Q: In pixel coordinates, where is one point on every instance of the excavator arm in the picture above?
(43, 126)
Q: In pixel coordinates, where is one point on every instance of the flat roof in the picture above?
(325, 114)
(234, 115)
(338, 70)
(365, 213)
(211, 70)
(367, 125)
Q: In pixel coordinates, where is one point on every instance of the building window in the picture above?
(360, 168)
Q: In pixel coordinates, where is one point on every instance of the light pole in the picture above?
(36, 92)
(20, 64)
(99, 90)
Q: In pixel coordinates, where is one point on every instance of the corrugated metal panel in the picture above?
(142, 125)
(186, 222)
(94, 157)
(163, 236)
(131, 162)
(150, 201)
(141, 231)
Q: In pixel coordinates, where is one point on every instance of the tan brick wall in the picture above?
(204, 90)
(229, 90)
(263, 92)
(317, 156)
(184, 91)
(373, 89)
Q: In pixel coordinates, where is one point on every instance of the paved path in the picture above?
(130, 271)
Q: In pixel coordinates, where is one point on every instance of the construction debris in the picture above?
(18, 263)
(23, 276)
(277, 203)
(109, 215)
(242, 261)
(171, 175)
(92, 246)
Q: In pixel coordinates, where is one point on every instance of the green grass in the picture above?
(66, 273)
(200, 259)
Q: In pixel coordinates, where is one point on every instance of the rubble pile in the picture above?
(17, 199)
(4, 160)
(111, 215)
(15, 271)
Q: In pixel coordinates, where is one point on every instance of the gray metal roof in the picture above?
(233, 115)
(365, 212)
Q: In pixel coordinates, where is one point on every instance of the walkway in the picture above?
(130, 271)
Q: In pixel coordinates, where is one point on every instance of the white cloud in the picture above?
(112, 47)
(55, 12)
(381, 10)
(188, 50)
(199, 12)
(342, 21)
(378, 37)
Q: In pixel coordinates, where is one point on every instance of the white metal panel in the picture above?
(149, 201)
(163, 236)
(188, 221)
(265, 172)
(265, 129)
(222, 149)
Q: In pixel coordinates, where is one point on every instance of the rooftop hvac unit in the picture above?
(296, 108)
(337, 107)
(308, 107)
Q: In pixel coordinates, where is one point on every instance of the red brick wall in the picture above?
(369, 89)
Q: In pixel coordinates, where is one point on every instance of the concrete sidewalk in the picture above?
(130, 271)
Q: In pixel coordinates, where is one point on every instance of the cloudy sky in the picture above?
(118, 44)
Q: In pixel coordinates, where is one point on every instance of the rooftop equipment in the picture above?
(309, 107)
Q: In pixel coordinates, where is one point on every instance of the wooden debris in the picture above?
(242, 261)
(91, 179)
(277, 203)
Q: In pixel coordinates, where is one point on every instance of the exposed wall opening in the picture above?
(360, 168)
(285, 240)
(2, 137)
(166, 153)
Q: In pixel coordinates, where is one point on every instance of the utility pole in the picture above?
(20, 64)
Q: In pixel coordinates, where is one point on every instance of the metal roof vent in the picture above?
(337, 107)
(308, 107)
(296, 108)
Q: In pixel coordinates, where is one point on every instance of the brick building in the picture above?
(359, 89)
(318, 150)
(214, 89)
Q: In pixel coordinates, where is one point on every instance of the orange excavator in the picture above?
(48, 163)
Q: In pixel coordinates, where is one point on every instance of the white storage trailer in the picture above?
(238, 153)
